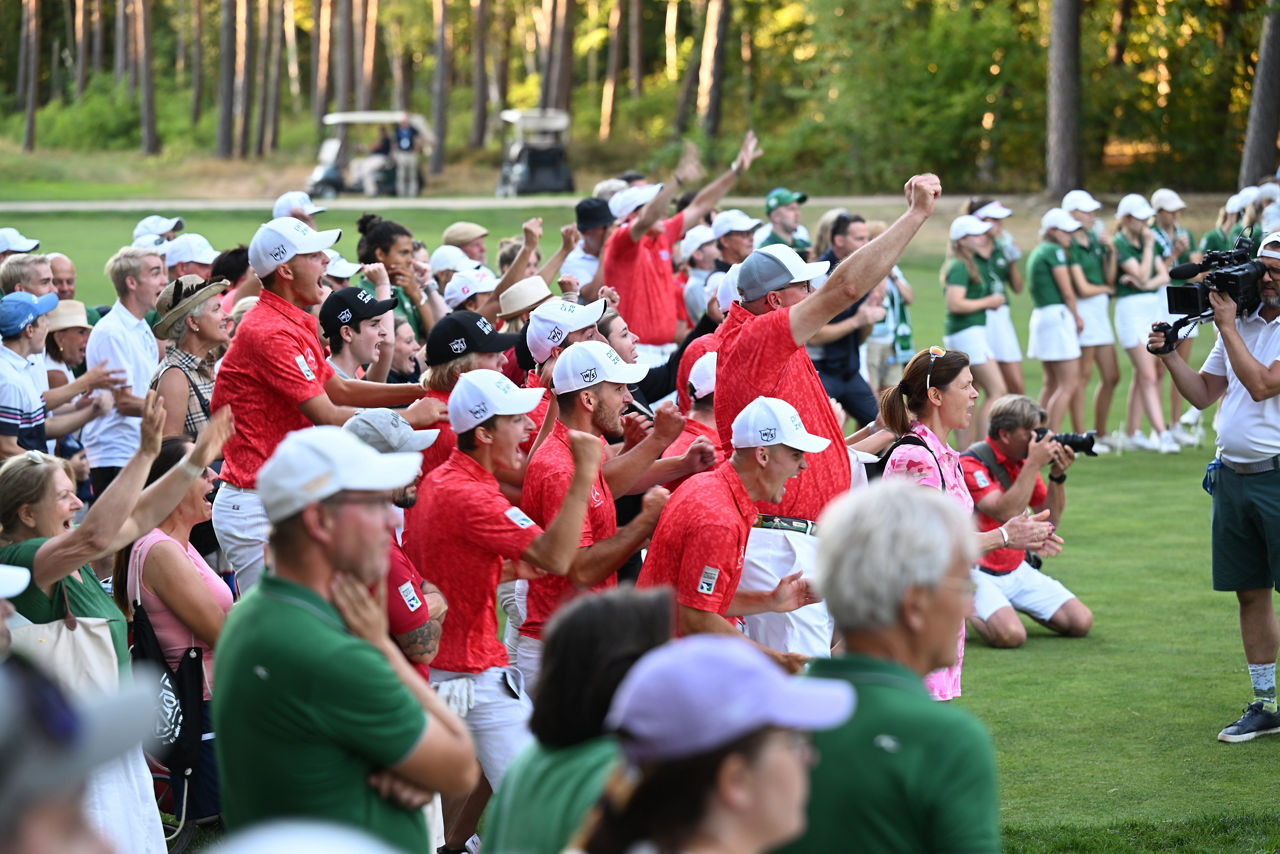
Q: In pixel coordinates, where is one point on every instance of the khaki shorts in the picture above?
(882, 368)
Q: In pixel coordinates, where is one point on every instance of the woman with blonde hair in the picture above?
(1055, 322)
(1005, 277)
(966, 280)
(1093, 274)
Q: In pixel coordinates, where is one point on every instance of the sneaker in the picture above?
(1101, 446)
(1182, 437)
(1255, 721)
(1141, 442)
(1167, 444)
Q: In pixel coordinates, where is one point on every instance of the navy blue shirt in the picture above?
(840, 357)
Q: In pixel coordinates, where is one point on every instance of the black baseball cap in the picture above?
(346, 306)
(461, 332)
(593, 213)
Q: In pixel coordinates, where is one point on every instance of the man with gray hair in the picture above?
(1002, 473)
(926, 776)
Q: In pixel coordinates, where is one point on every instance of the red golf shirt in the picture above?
(697, 348)
(641, 274)
(981, 484)
(406, 609)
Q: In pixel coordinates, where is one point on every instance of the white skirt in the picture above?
(1053, 335)
(1134, 316)
(972, 341)
(1097, 325)
(1002, 339)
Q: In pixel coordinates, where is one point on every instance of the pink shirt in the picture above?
(174, 636)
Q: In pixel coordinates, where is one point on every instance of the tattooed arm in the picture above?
(421, 644)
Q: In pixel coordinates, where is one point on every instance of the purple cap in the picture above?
(696, 694)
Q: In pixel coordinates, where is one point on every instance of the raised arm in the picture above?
(709, 196)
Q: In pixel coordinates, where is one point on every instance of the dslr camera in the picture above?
(1234, 273)
(1081, 443)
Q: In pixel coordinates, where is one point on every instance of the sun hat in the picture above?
(769, 421)
(524, 295)
(1059, 219)
(68, 314)
(586, 363)
(993, 210)
(967, 225)
(1165, 199)
(179, 297)
(593, 213)
(1080, 200)
(1134, 205)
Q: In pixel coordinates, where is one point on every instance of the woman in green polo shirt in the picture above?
(1217, 239)
(1055, 323)
(1176, 246)
(1005, 278)
(1251, 202)
(966, 280)
(1093, 272)
(1142, 273)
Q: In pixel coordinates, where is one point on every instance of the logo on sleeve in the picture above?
(707, 584)
(980, 478)
(516, 515)
(1062, 257)
(410, 596)
(305, 368)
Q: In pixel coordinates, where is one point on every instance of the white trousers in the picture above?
(772, 555)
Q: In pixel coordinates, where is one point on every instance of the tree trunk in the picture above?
(1259, 155)
(31, 35)
(291, 57)
(479, 76)
(120, 54)
(635, 36)
(197, 60)
(440, 87)
(358, 16)
(669, 33)
(1120, 32)
(320, 61)
(396, 63)
(244, 76)
(82, 46)
(342, 45)
(55, 70)
(550, 56)
(150, 139)
(711, 73)
(226, 78)
(179, 49)
(365, 96)
(24, 38)
(593, 52)
(135, 45)
(564, 80)
(613, 60)
(688, 90)
(264, 41)
(502, 63)
(271, 118)
(1062, 160)
(96, 51)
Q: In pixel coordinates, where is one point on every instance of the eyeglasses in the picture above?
(935, 353)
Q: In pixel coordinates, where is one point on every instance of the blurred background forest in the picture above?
(850, 95)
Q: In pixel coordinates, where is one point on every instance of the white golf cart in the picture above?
(330, 176)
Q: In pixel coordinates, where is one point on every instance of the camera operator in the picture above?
(1003, 476)
(1244, 480)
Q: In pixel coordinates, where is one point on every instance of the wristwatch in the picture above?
(1058, 478)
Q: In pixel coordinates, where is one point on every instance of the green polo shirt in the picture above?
(1124, 251)
(545, 795)
(1041, 263)
(997, 271)
(1091, 258)
(1164, 244)
(904, 774)
(305, 712)
(958, 276)
(797, 243)
(1215, 241)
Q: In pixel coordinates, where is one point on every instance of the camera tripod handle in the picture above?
(1170, 337)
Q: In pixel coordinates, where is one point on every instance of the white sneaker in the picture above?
(1140, 441)
(1101, 446)
(1168, 444)
(1182, 437)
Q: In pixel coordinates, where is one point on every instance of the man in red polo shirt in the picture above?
(460, 535)
(762, 353)
(701, 539)
(591, 382)
(701, 420)
(637, 256)
(276, 380)
(1003, 476)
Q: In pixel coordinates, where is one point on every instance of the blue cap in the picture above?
(19, 310)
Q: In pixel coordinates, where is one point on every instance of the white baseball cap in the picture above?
(482, 394)
(1269, 191)
(768, 421)
(465, 284)
(11, 240)
(1270, 219)
(624, 202)
(1234, 204)
(157, 224)
(966, 226)
(339, 267)
(1080, 200)
(727, 292)
(1059, 219)
(310, 465)
(702, 376)
(1134, 205)
(773, 267)
(589, 362)
(449, 257)
(992, 210)
(694, 239)
(386, 431)
(553, 321)
(13, 580)
(277, 241)
(190, 247)
(1272, 239)
(295, 200)
(732, 220)
(153, 242)
(1248, 196)
(1165, 199)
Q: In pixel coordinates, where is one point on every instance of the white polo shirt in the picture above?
(1248, 430)
(580, 265)
(126, 343)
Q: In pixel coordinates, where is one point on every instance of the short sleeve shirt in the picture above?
(1090, 258)
(275, 363)
(1126, 251)
(580, 265)
(1214, 241)
(958, 276)
(758, 356)
(1164, 244)
(1041, 263)
(406, 609)
(438, 451)
(930, 466)
(701, 540)
(22, 411)
(696, 349)
(1250, 429)
(457, 535)
(642, 274)
(125, 343)
(692, 431)
(546, 481)
(981, 484)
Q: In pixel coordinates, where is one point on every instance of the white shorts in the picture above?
(1134, 316)
(1002, 338)
(772, 555)
(499, 720)
(1026, 589)
(1190, 332)
(529, 662)
(1053, 335)
(972, 341)
(1097, 325)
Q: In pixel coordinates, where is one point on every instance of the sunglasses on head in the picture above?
(935, 352)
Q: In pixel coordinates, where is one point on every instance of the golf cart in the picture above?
(330, 176)
(534, 162)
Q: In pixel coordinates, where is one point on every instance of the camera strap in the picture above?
(983, 453)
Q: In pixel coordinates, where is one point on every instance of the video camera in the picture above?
(1234, 273)
(1081, 443)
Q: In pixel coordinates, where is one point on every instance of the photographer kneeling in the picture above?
(1003, 476)
(1244, 480)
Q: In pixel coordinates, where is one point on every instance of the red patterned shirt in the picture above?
(642, 275)
(980, 485)
(457, 535)
(758, 357)
(692, 430)
(275, 363)
(697, 348)
(700, 541)
(406, 609)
